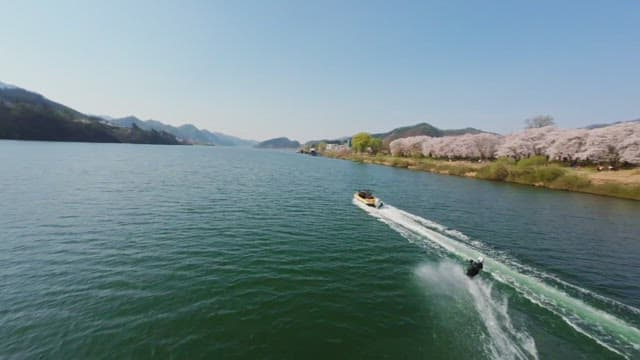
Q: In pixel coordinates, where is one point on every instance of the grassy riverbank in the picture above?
(535, 171)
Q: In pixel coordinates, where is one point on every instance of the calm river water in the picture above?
(116, 251)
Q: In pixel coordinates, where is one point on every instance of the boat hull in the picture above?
(373, 201)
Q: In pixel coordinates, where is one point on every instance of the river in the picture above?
(116, 251)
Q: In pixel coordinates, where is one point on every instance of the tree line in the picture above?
(612, 144)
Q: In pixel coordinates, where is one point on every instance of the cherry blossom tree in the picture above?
(615, 143)
(567, 144)
(407, 146)
(529, 142)
(607, 143)
(467, 146)
(629, 149)
(487, 144)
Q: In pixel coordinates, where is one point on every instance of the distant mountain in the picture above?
(406, 131)
(4, 86)
(26, 115)
(467, 130)
(186, 132)
(596, 126)
(236, 141)
(279, 143)
(422, 129)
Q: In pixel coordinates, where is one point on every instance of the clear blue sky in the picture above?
(307, 70)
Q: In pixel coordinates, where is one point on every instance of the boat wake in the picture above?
(505, 341)
(547, 291)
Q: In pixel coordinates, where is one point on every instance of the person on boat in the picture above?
(474, 267)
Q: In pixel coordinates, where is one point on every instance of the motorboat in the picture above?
(367, 198)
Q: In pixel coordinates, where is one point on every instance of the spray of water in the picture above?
(606, 329)
(505, 341)
(612, 304)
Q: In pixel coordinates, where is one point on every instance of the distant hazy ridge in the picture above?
(278, 143)
(25, 115)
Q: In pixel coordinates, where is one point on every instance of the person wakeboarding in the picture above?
(474, 267)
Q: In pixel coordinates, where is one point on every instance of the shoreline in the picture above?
(623, 184)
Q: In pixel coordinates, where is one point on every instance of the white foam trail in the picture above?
(478, 245)
(607, 330)
(457, 234)
(505, 341)
(556, 281)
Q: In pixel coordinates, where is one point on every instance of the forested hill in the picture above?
(279, 143)
(25, 115)
(406, 131)
(421, 129)
(186, 132)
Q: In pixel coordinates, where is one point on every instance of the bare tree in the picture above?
(540, 121)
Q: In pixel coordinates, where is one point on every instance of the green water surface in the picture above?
(133, 251)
